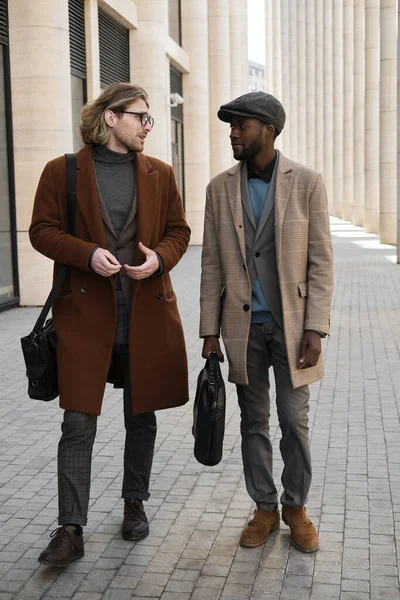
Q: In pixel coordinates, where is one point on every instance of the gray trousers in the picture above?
(267, 348)
(75, 454)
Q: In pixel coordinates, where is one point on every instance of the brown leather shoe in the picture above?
(303, 533)
(258, 529)
(135, 525)
(66, 546)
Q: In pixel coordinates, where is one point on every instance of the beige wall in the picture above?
(352, 75)
(196, 114)
(213, 61)
(42, 118)
(219, 83)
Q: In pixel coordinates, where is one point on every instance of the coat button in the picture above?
(158, 296)
(257, 254)
(83, 291)
(246, 307)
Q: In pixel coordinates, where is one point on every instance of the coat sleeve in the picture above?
(211, 279)
(176, 237)
(320, 262)
(46, 233)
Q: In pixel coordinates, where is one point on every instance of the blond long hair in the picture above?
(116, 97)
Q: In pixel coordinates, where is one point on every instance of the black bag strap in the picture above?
(71, 212)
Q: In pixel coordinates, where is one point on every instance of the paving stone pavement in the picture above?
(197, 513)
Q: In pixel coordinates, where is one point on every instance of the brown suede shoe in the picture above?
(258, 529)
(66, 546)
(303, 533)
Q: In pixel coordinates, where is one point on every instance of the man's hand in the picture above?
(310, 350)
(104, 263)
(150, 266)
(211, 344)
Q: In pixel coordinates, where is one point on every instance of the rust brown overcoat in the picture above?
(85, 311)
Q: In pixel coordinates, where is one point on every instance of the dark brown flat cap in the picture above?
(257, 105)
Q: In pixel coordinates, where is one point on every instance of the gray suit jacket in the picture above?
(260, 245)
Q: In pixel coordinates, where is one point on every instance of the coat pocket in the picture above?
(302, 287)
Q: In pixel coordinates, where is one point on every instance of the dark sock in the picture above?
(78, 528)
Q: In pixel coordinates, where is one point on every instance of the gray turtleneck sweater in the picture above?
(116, 180)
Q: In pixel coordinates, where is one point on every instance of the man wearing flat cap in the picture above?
(266, 287)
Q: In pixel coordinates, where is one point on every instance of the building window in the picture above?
(177, 133)
(253, 86)
(78, 94)
(8, 247)
(175, 27)
(77, 48)
(114, 51)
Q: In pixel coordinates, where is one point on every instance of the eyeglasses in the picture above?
(144, 117)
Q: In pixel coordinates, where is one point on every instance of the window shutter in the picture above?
(176, 86)
(3, 23)
(114, 50)
(77, 48)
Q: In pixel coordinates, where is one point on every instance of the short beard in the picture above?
(243, 154)
(250, 152)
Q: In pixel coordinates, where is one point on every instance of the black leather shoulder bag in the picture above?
(39, 347)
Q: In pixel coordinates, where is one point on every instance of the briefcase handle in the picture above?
(214, 369)
(71, 211)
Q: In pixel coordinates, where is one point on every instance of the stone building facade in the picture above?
(333, 64)
(57, 54)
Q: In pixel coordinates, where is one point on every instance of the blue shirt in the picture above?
(258, 190)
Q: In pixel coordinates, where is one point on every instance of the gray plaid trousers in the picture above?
(75, 453)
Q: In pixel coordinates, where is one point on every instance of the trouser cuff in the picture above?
(135, 494)
(272, 507)
(72, 520)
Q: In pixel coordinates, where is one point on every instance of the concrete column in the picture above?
(388, 118)
(292, 115)
(398, 136)
(328, 100)
(92, 49)
(338, 107)
(277, 50)
(372, 115)
(42, 119)
(359, 113)
(196, 114)
(149, 68)
(311, 91)
(284, 138)
(219, 83)
(301, 81)
(348, 155)
(238, 46)
(269, 47)
(319, 87)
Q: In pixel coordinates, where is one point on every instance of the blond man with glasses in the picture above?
(116, 316)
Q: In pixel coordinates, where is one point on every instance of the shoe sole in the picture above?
(305, 550)
(48, 563)
(258, 544)
(135, 538)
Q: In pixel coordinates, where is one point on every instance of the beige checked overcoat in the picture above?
(304, 262)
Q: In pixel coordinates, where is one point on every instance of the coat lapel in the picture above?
(233, 189)
(283, 187)
(87, 199)
(148, 199)
(269, 202)
(246, 201)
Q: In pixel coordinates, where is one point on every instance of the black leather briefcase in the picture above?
(209, 413)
